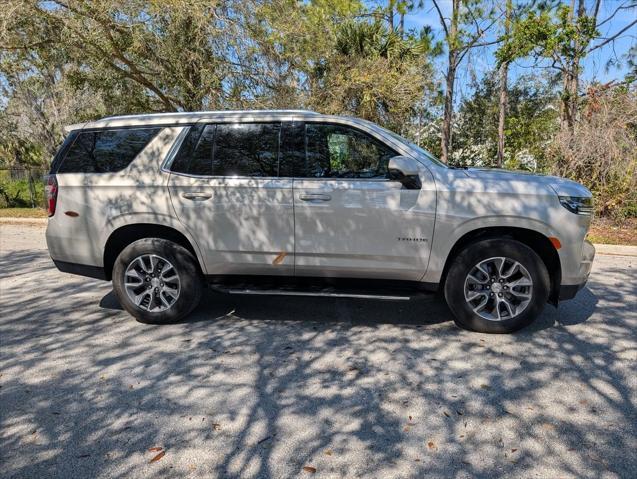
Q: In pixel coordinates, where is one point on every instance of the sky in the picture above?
(482, 60)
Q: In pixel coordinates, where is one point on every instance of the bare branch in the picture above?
(623, 6)
(613, 37)
(442, 19)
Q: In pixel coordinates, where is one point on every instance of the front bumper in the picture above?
(568, 291)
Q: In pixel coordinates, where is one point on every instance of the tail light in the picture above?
(51, 191)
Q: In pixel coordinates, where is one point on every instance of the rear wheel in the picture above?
(157, 281)
(496, 286)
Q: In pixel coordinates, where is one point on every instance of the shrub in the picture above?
(601, 152)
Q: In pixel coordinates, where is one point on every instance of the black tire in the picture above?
(186, 266)
(472, 255)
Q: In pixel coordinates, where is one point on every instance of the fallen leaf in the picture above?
(328, 452)
(216, 426)
(309, 469)
(158, 457)
(513, 450)
(155, 449)
(417, 460)
(431, 445)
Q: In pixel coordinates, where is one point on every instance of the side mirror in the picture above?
(405, 170)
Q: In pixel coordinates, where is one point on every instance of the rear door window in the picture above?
(105, 151)
(230, 149)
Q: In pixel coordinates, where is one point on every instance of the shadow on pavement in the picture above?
(262, 386)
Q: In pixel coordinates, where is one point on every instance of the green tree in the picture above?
(465, 30)
(529, 128)
(563, 36)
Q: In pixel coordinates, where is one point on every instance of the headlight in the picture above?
(577, 204)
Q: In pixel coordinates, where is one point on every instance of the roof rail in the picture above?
(208, 112)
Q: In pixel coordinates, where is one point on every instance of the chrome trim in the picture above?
(170, 157)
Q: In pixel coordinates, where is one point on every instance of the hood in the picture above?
(561, 186)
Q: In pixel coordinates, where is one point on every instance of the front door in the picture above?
(350, 219)
(225, 189)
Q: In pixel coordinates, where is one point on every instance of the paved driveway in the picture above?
(265, 386)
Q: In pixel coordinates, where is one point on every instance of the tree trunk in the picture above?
(450, 77)
(504, 97)
(504, 93)
(566, 118)
(447, 122)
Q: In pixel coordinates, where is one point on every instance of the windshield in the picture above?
(420, 150)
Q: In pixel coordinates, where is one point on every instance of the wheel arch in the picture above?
(535, 240)
(121, 237)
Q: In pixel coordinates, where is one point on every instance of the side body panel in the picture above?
(242, 225)
(367, 228)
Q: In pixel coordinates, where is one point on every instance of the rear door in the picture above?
(225, 189)
(350, 219)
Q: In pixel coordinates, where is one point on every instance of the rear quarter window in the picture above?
(105, 151)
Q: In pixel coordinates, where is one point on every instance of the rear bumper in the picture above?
(568, 291)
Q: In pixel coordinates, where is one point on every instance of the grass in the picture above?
(22, 213)
(603, 230)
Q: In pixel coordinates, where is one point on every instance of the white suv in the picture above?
(299, 203)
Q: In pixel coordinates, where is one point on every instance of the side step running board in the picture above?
(282, 292)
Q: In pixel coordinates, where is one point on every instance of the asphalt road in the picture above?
(265, 386)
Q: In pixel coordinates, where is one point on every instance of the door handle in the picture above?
(196, 196)
(314, 197)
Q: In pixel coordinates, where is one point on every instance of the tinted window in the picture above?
(292, 157)
(238, 149)
(105, 151)
(201, 157)
(335, 151)
(246, 149)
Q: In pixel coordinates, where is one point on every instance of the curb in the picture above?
(22, 221)
(615, 250)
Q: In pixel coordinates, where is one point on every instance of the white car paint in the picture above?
(263, 226)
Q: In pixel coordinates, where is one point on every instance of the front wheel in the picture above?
(157, 281)
(496, 286)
